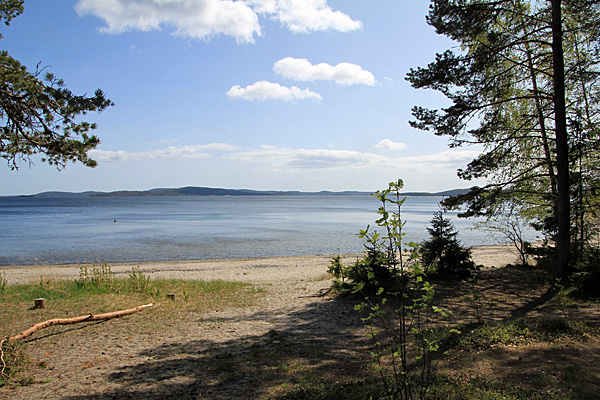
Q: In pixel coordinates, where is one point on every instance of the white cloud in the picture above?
(301, 69)
(387, 144)
(273, 161)
(447, 156)
(264, 90)
(203, 19)
(200, 19)
(286, 159)
(168, 153)
(303, 16)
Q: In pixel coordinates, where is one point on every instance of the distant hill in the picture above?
(62, 194)
(453, 192)
(446, 193)
(207, 191)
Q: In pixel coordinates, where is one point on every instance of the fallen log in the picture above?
(76, 320)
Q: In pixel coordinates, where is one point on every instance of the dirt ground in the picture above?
(234, 353)
(296, 332)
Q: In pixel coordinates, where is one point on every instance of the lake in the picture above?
(157, 228)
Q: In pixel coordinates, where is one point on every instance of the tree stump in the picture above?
(40, 303)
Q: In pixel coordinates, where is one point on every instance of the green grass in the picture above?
(355, 390)
(465, 386)
(295, 374)
(523, 331)
(443, 388)
(481, 388)
(98, 291)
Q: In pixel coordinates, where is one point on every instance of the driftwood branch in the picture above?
(3, 367)
(63, 321)
(76, 320)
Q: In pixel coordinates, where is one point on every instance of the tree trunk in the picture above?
(563, 239)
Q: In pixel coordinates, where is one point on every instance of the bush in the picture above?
(371, 272)
(443, 255)
(585, 280)
(398, 302)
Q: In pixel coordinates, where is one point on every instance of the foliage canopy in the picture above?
(523, 84)
(39, 115)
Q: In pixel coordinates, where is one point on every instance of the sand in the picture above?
(251, 270)
(296, 321)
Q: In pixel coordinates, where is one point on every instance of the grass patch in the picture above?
(98, 291)
(3, 282)
(355, 390)
(522, 331)
(14, 362)
(550, 357)
(482, 388)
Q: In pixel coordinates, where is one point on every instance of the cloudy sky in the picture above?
(258, 94)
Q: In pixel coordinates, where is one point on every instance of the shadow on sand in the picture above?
(313, 345)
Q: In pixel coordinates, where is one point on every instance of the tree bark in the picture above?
(563, 240)
(76, 320)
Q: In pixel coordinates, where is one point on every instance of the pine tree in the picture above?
(521, 82)
(443, 254)
(39, 115)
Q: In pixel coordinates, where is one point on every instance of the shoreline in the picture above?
(250, 270)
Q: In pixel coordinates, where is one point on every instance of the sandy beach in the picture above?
(295, 319)
(252, 270)
(256, 351)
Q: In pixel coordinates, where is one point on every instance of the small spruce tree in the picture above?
(443, 254)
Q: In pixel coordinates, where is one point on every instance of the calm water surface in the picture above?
(68, 230)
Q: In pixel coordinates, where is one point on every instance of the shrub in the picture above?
(509, 223)
(398, 302)
(138, 282)
(370, 272)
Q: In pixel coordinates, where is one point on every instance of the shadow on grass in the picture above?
(573, 369)
(320, 351)
(554, 368)
(534, 303)
(551, 370)
(502, 293)
(319, 345)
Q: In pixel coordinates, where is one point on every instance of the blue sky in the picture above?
(259, 94)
